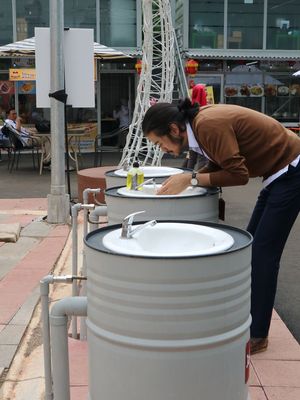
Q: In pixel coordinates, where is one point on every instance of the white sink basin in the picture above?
(149, 191)
(170, 239)
(153, 171)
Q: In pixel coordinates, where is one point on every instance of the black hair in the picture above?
(160, 116)
(9, 110)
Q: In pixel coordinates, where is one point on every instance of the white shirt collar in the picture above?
(193, 144)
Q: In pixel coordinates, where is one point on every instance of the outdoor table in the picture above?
(74, 137)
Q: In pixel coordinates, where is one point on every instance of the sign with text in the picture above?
(22, 74)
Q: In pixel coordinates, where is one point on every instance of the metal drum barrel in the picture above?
(195, 208)
(168, 328)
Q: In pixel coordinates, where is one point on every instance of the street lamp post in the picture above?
(58, 200)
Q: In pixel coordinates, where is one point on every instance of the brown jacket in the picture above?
(242, 143)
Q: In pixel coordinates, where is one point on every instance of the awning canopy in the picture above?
(247, 54)
(26, 48)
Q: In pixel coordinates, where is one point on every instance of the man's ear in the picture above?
(174, 131)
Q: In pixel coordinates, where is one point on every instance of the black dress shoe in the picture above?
(258, 345)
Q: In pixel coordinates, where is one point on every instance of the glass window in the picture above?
(245, 24)
(6, 30)
(244, 85)
(118, 23)
(206, 21)
(80, 14)
(283, 25)
(7, 95)
(31, 13)
(283, 97)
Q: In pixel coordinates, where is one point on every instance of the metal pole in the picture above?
(58, 200)
(15, 38)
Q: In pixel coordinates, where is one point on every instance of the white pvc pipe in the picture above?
(100, 211)
(74, 211)
(75, 306)
(44, 291)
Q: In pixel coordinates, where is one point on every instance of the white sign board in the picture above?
(79, 67)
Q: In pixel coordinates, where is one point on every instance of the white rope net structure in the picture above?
(156, 80)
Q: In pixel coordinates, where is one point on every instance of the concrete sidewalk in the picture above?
(42, 248)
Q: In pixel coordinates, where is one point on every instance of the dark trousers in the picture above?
(275, 212)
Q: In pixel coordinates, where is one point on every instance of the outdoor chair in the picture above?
(6, 148)
(17, 149)
(99, 148)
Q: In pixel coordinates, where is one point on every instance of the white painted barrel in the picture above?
(117, 177)
(168, 328)
(202, 207)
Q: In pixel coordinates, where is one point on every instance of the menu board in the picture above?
(258, 90)
(244, 90)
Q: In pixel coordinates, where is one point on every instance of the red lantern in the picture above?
(191, 67)
(138, 66)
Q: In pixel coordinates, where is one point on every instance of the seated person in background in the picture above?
(122, 113)
(26, 136)
(14, 121)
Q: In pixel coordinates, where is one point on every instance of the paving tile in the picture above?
(282, 393)
(7, 353)
(279, 330)
(2, 327)
(79, 392)
(78, 362)
(12, 334)
(60, 230)
(19, 249)
(24, 204)
(24, 220)
(280, 348)
(253, 380)
(18, 284)
(24, 314)
(275, 315)
(10, 232)
(278, 373)
(256, 393)
(37, 229)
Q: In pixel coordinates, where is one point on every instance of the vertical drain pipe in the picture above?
(85, 197)
(69, 306)
(75, 210)
(44, 292)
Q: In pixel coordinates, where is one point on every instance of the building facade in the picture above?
(247, 50)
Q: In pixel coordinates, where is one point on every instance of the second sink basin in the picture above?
(150, 191)
(153, 171)
(170, 239)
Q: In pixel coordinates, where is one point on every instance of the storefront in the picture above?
(263, 85)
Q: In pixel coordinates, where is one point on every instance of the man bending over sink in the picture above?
(239, 143)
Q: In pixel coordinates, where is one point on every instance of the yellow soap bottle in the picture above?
(135, 177)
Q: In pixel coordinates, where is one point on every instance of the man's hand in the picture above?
(175, 184)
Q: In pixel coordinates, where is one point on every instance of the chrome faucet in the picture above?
(128, 231)
(151, 180)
